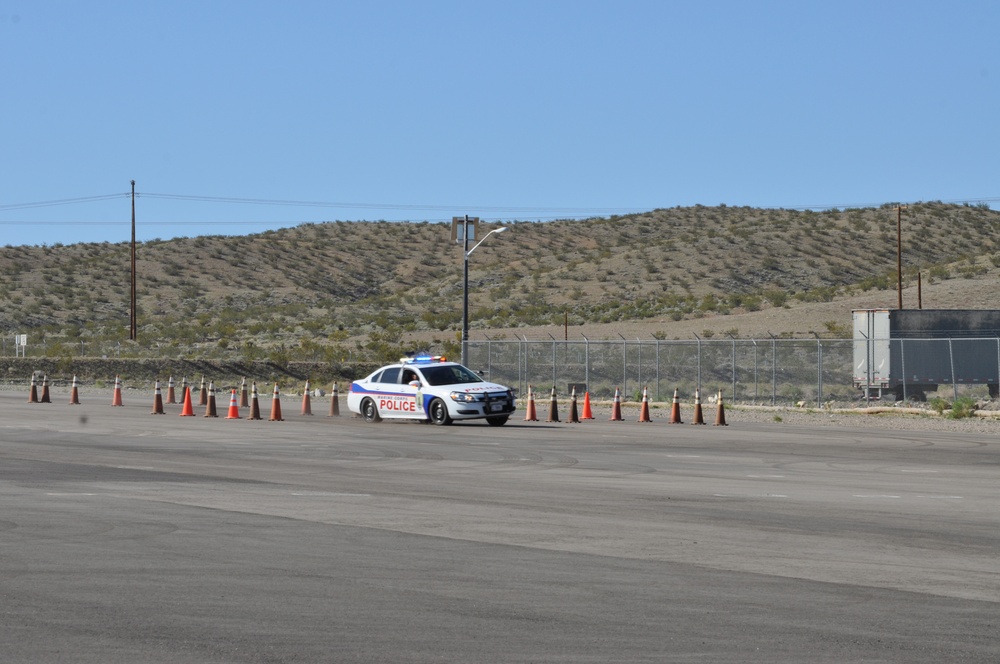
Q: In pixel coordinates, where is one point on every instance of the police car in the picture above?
(430, 389)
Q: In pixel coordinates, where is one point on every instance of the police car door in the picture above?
(411, 386)
(395, 400)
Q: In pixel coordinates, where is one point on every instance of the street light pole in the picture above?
(465, 290)
(465, 295)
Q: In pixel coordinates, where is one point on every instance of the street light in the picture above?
(465, 291)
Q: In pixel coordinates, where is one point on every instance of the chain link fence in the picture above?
(776, 371)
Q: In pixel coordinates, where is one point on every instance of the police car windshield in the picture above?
(449, 375)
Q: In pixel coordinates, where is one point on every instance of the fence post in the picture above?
(774, 369)
(658, 366)
(951, 358)
(902, 363)
(734, 364)
(698, 384)
(553, 359)
(639, 343)
(624, 364)
(819, 372)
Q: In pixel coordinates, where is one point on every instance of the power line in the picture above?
(63, 201)
(382, 206)
(541, 213)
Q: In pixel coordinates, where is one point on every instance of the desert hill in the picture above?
(320, 291)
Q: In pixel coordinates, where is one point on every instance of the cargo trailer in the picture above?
(910, 352)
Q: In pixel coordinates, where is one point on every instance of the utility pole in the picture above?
(899, 254)
(133, 327)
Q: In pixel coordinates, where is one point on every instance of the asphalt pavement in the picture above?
(132, 537)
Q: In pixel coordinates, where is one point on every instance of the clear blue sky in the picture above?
(531, 110)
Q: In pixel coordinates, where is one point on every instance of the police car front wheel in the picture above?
(438, 412)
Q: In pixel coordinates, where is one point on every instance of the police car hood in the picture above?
(476, 388)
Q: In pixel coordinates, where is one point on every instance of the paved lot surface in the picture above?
(130, 537)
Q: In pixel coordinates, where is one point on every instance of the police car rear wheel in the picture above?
(438, 412)
(369, 412)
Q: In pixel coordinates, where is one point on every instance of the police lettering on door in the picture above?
(398, 403)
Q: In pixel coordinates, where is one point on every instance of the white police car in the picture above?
(429, 388)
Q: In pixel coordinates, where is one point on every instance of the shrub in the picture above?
(962, 408)
(938, 405)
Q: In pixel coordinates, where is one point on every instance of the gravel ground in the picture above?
(888, 416)
(880, 417)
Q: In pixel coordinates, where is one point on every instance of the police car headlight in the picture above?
(465, 397)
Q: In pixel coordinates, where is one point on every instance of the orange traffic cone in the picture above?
(574, 417)
(306, 401)
(588, 414)
(210, 409)
(334, 403)
(171, 397)
(275, 406)
(720, 414)
(529, 409)
(234, 410)
(187, 410)
(202, 393)
(698, 419)
(254, 404)
(157, 399)
(553, 407)
(45, 391)
(116, 399)
(244, 403)
(33, 394)
(644, 410)
(616, 407)
(675, 409)
(74, 394)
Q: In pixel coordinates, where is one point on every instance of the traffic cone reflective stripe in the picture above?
(553, 407)
(275, 406)
(306, 401)
(588, 414)
(254, 404)
(157, 399)
(529, 410)
(675, 409)
(234, 410)
(187, 410)
(720, 413)
(698, 418)
(210, 410)
(171, 397)
(74, 394)
(644, 410)
(203, 393)
(616, 407)
(334, 402)
(574, 417)
(116, 399)
(45, 391)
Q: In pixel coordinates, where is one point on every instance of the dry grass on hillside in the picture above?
(316, 289)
